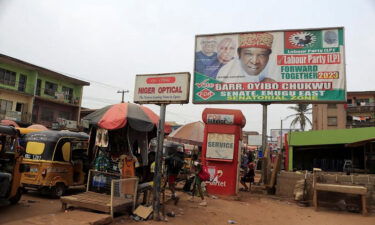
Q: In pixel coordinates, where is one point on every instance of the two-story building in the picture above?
(33, 94)
(359, 111)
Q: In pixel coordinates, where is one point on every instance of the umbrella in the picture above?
(119, 115)
(37, 127)
(9, 123)
(191, 133)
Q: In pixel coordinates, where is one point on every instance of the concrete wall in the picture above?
(321, 112)
(31, 76)
(286, 182)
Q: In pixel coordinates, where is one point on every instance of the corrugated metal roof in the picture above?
(48, 72)
(331, 137)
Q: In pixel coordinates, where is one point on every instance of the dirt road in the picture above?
(250, 210)
(30, 205)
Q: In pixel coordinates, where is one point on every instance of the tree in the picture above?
(300, 115)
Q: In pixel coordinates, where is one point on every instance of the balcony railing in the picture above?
(361, 104)
(355, 124)
(370, 107)
(15, 116)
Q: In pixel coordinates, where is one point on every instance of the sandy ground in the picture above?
(30, 205)
(253, 210)
(246, 209)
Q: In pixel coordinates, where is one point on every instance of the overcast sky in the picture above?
(108, 42)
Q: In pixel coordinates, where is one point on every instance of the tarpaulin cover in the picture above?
(117, 116)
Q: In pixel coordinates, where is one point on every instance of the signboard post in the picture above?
(161, 89)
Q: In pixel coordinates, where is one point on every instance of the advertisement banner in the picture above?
(275, 66)
(220, 146)
(162, 88)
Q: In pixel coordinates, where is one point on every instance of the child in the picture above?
(248, 176)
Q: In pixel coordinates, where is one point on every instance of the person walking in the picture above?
(197, 183)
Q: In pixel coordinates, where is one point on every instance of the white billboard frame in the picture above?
(157, 90)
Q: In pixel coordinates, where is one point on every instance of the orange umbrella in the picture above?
(117, 116)
(38, 127)
(9, 123)
(191, 133)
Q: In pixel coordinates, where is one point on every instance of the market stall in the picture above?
(120, 136)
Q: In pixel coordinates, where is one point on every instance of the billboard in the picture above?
(276, 133)
(255, 140)
(162, 88)
(272, 66)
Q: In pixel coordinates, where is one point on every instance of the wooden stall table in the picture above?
(346, 189)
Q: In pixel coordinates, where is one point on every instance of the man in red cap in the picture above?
(253, 55)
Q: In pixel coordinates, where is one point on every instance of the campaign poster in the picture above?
(288, 66)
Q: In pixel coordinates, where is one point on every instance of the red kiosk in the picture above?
(221, 149)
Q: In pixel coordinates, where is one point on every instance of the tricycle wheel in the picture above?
(15, 199)
(59, 190)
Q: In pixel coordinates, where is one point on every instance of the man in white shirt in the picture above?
(253, 55)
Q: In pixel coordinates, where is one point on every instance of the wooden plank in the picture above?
(84, 199)
(315, 200)
(87, 205)
(364, 205)
(96, 201)
(275, 170)
(341, 188)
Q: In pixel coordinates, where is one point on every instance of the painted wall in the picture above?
(16, 98)
(321, 112)
(77, 89)
(31, 77)
(34, 108)
(57, 109)
(11, 96)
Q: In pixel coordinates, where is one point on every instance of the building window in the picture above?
(47, 115)
(19, 107)
(5, 106)
(68, 94)
(50, 88)
(65, 115)
(332, 121)
(22, 83)
(332, 106)
(7, 77)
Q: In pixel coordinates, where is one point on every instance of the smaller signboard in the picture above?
(162, 88)
(220, 119)
(255, 140)
(220, 146)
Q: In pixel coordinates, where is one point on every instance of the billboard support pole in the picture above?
(158, 157)
(264, 142)
(281, 136)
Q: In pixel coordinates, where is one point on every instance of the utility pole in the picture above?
(158, 164)
(264, 143)
(123, 93)
(281, 136)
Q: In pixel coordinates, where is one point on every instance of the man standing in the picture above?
(174, 164)
(205, 57)
(253, 55)
(225, 52)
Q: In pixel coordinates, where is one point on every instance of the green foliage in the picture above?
(300, 115)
